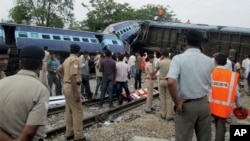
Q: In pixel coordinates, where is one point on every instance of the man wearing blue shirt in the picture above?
(189, 82)
(52, 65)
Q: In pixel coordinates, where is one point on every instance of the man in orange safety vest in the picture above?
(224, 94)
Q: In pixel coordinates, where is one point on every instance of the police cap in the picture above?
(4, 49)
(32, 52)
(74, 48)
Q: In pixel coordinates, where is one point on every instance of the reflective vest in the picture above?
(222, 98)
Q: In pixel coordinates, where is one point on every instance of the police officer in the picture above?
(4, 59)
(149, 81)
(165, 98)
(70, 71)
(24, 110)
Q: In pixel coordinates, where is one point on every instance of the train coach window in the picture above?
(114, 42)
(33, 35)
(93, 40)
(22, 34)
(45, 36)
(118, 33)
(66, 38)
(85, 39)
(56, 37)
(76, 39)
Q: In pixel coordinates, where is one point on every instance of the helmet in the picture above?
(241, 113)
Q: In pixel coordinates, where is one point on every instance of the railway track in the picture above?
(101, 116)
(92, 102)
(59, 109)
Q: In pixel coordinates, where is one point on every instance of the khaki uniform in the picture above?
(20, 105)
(43, 72)
(165, 98)
(2, 75)
(74, 110)
(149, 81)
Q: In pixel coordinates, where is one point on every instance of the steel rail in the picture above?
(59, 109)
(102, 116)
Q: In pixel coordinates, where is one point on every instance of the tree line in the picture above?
(101, 13)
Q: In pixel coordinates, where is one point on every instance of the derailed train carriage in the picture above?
(159, 36)
(57, 40)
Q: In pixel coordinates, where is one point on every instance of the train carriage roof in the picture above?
(118, 26)
(235, 29)
(50, 30)
(180, 25)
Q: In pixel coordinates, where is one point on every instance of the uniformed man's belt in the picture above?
(150, 78)
(77, 83)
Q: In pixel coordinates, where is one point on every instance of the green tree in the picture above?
(106, 12)
(76, 25)
(20, 14)
(50, 13)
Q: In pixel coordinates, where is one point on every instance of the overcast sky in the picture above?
(213, 12)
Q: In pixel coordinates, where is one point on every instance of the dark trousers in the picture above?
(85, 82)
(138, 79)
(53, 78)
(107, 85)
(119, 86)
(195, 117)
(220, 125)
(98, 84)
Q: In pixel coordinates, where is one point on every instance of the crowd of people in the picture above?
(187, 81)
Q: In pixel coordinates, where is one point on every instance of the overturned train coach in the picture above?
(127, 31)
(57, 40)
(159, 36)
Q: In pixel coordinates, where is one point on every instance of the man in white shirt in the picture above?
(43, 73)
(122, 70)
(131, 63)
(245, 71)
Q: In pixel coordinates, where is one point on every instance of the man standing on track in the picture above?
(70, 71)
(52, 65)
(122, 70)
(165, 98)
(150, 78)
(108, 69)
(85, 74)
(138, 70)
(4, 59)
(189, 82)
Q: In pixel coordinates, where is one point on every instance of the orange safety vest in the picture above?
(222, 99)
(143, 63)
